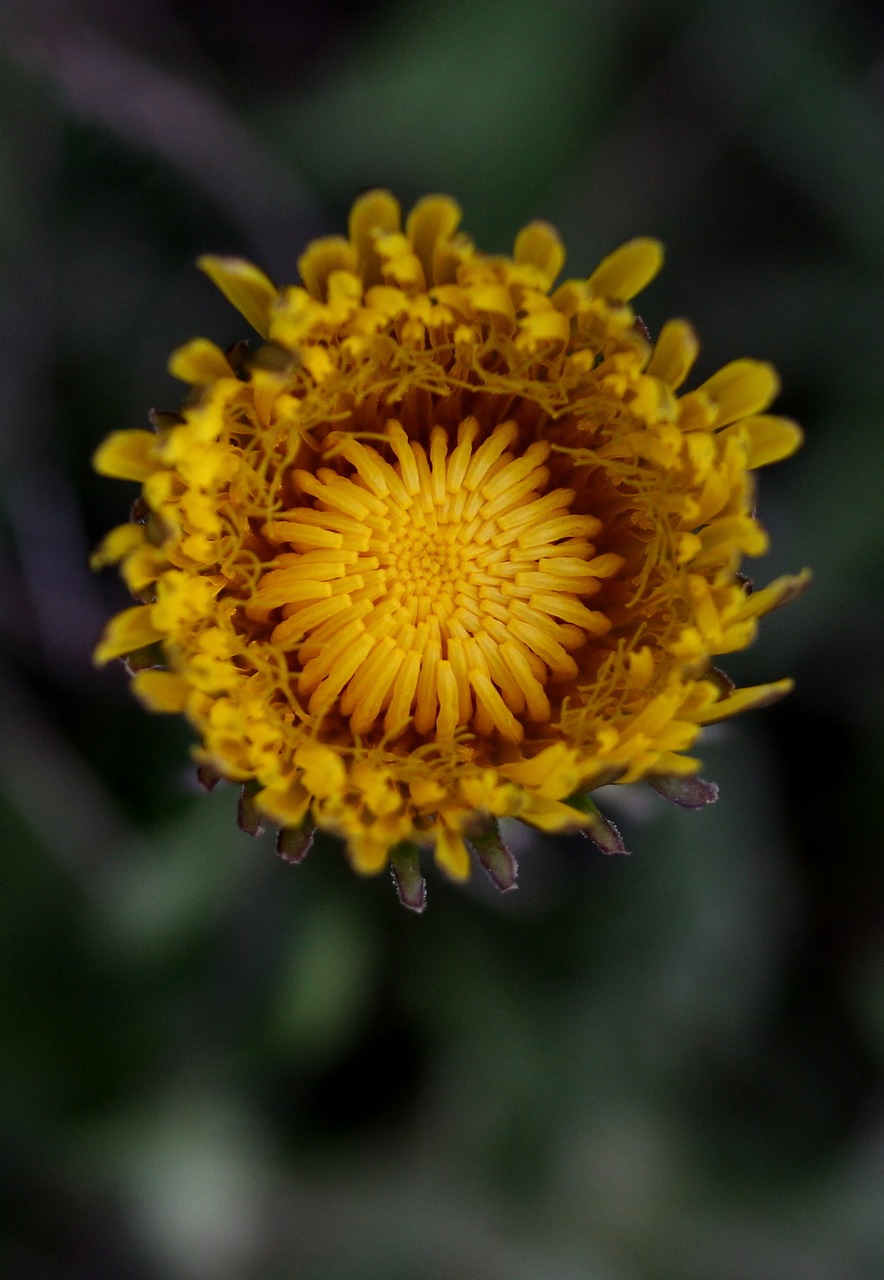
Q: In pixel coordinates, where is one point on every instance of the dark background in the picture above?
(216, 1067)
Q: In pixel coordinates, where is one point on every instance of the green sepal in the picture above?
(497, 860)
(163, 420)
(721, 680)
(687, 792)
(248, 817)
(207, 776)
(149, 658)
(406, 872)
(601, 830)
(294, 843)
(237, 354)
(274, 358)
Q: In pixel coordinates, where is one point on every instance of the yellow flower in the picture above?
(449, 547)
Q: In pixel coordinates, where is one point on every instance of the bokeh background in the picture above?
(212, 1064)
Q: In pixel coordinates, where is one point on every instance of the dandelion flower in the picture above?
(447, 547)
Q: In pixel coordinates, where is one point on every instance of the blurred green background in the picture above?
(215, 1065)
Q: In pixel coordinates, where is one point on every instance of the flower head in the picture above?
(448, 547)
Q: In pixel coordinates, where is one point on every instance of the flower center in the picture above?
(439, 586)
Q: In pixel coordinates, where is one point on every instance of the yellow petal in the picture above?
(126, 455)
(130, 630)
(627, 270)
(781, 591)
(162, 691)
(199, 362)
(539, 245)
(432, 219)
(116, 545)
(244, 286)
(674, 353)
(368, 851)
(321, 258)
(287, 806)
(324, 773)
(741, 388)
(552, 772)
(546, 326)
(759, 695)
(770, 439)
(142, 568)
(570, 297)
(552, 815)
(373, 212)
(670, 764)
(492, 299)
(451, 853)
